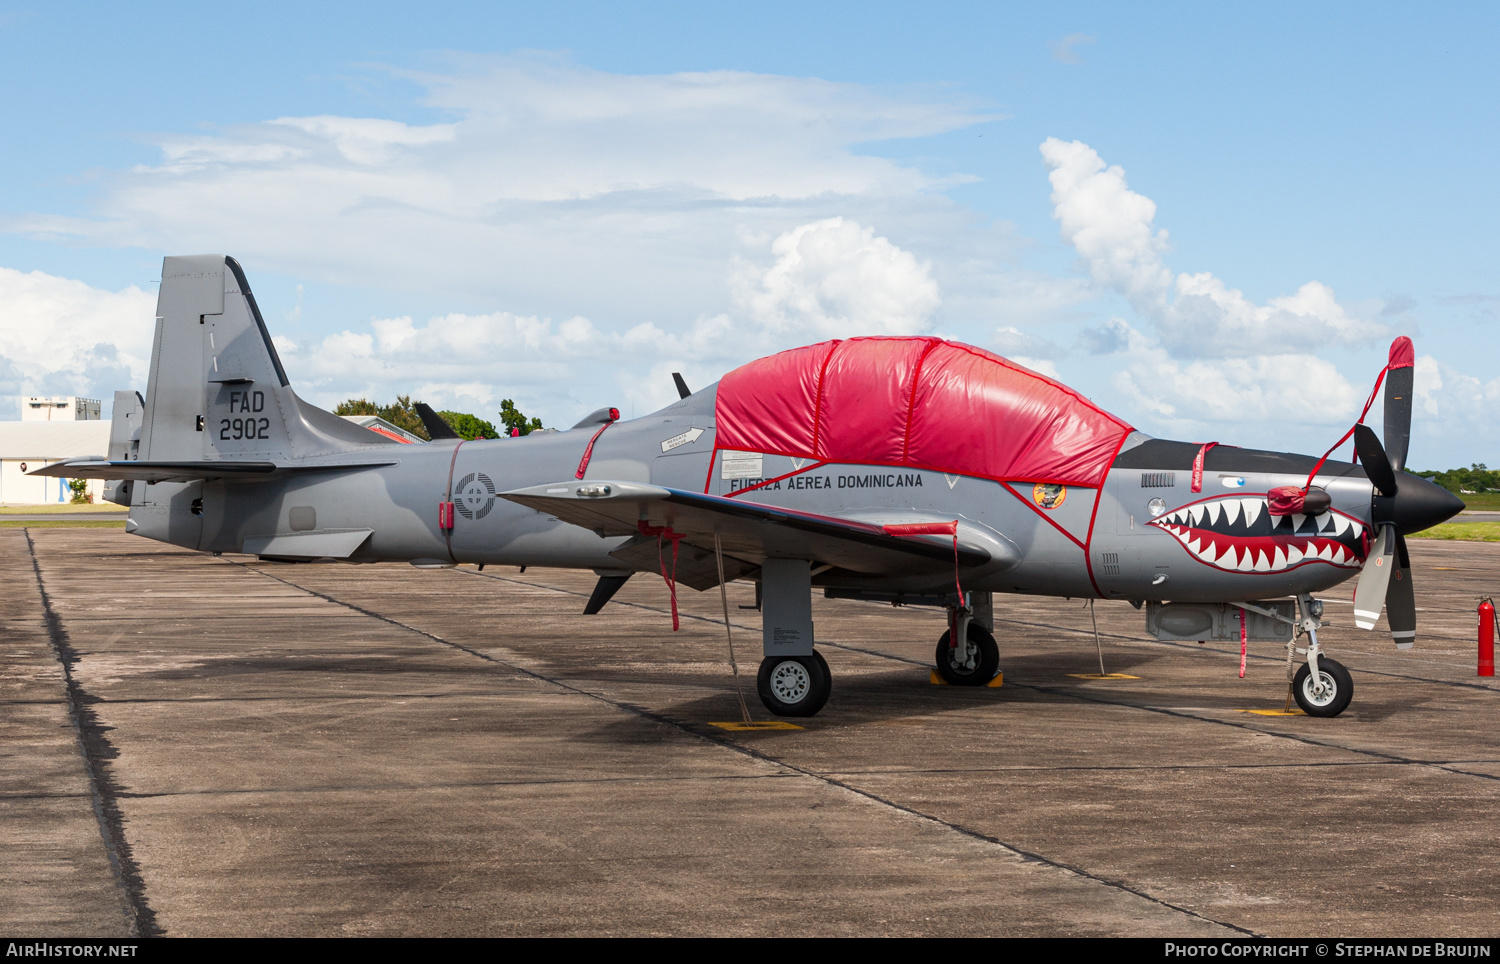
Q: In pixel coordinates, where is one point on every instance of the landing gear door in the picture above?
(787, 607)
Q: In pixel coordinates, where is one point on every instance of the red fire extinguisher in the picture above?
(1486, 637)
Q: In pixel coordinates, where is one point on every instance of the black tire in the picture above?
(794, 685)
(985, 666)
(1331, 702)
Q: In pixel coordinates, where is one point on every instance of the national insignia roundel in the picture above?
(474, 495)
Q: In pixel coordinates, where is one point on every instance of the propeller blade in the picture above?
(1369, 592)
(1400, 601)
(1398, 387)
(1372, 454)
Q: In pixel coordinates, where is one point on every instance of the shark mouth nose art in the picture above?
(1238, 534)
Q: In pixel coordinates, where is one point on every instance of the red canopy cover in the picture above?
(920, 402)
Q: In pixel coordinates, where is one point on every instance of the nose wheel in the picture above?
(1321, 686)
(1326, 694)
(794, 685)
(972, 665)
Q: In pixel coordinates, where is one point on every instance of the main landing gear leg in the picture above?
(966, 653)
(1321, 686)
(794, 678)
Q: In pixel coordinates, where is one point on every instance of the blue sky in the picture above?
(564, 203)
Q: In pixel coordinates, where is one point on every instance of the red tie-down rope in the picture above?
(937, 529)
(1244, 637)
(932, 529)
(1197, 485)
(1401, 357)
(665, 532)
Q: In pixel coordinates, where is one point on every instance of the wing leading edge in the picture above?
(751, 533)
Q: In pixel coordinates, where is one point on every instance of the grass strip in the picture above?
(60, 507)
(62, 523)
(1462, 531)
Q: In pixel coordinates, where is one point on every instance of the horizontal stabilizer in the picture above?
(190, 471)
(751, 533)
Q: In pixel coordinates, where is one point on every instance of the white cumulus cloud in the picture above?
(1195, 315)
(836, 279)
(625, 194)
(1205, 354)
(1282, 391)
(61, 336)
(1453, 406)
(832, 278)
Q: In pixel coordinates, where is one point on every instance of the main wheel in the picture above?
(986, 659)
(1338, 688)
(794, 685)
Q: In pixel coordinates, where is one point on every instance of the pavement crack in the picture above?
(97, 751)
(695, 730)
(449, 785)
(1068, 692)
(1074, 693)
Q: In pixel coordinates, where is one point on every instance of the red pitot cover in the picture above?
(919, 402)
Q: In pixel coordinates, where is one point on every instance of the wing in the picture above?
(188, 471)
(751, 532)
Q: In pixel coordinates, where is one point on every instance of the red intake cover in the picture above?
(1285, 499)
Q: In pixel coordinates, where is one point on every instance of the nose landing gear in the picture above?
(974, 664)
(974, 659)
(1326, 694)
(1321, 686)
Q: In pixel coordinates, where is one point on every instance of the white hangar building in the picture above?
(50, 430)
(53, 429)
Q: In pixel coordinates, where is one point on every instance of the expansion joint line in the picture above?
(1383, 757)
(96, 750)
(688, 728)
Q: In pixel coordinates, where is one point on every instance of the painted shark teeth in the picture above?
(1237, 534)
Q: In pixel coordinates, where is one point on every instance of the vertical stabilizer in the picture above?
(218, 390)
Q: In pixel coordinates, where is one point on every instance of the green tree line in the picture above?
(1476, 478)
(402, 413)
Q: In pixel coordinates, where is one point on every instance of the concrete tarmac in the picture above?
(193, 745)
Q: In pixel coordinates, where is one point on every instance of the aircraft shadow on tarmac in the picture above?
(883, 696)
(867, 696)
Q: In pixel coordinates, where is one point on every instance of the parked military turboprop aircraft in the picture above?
(914, 471)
